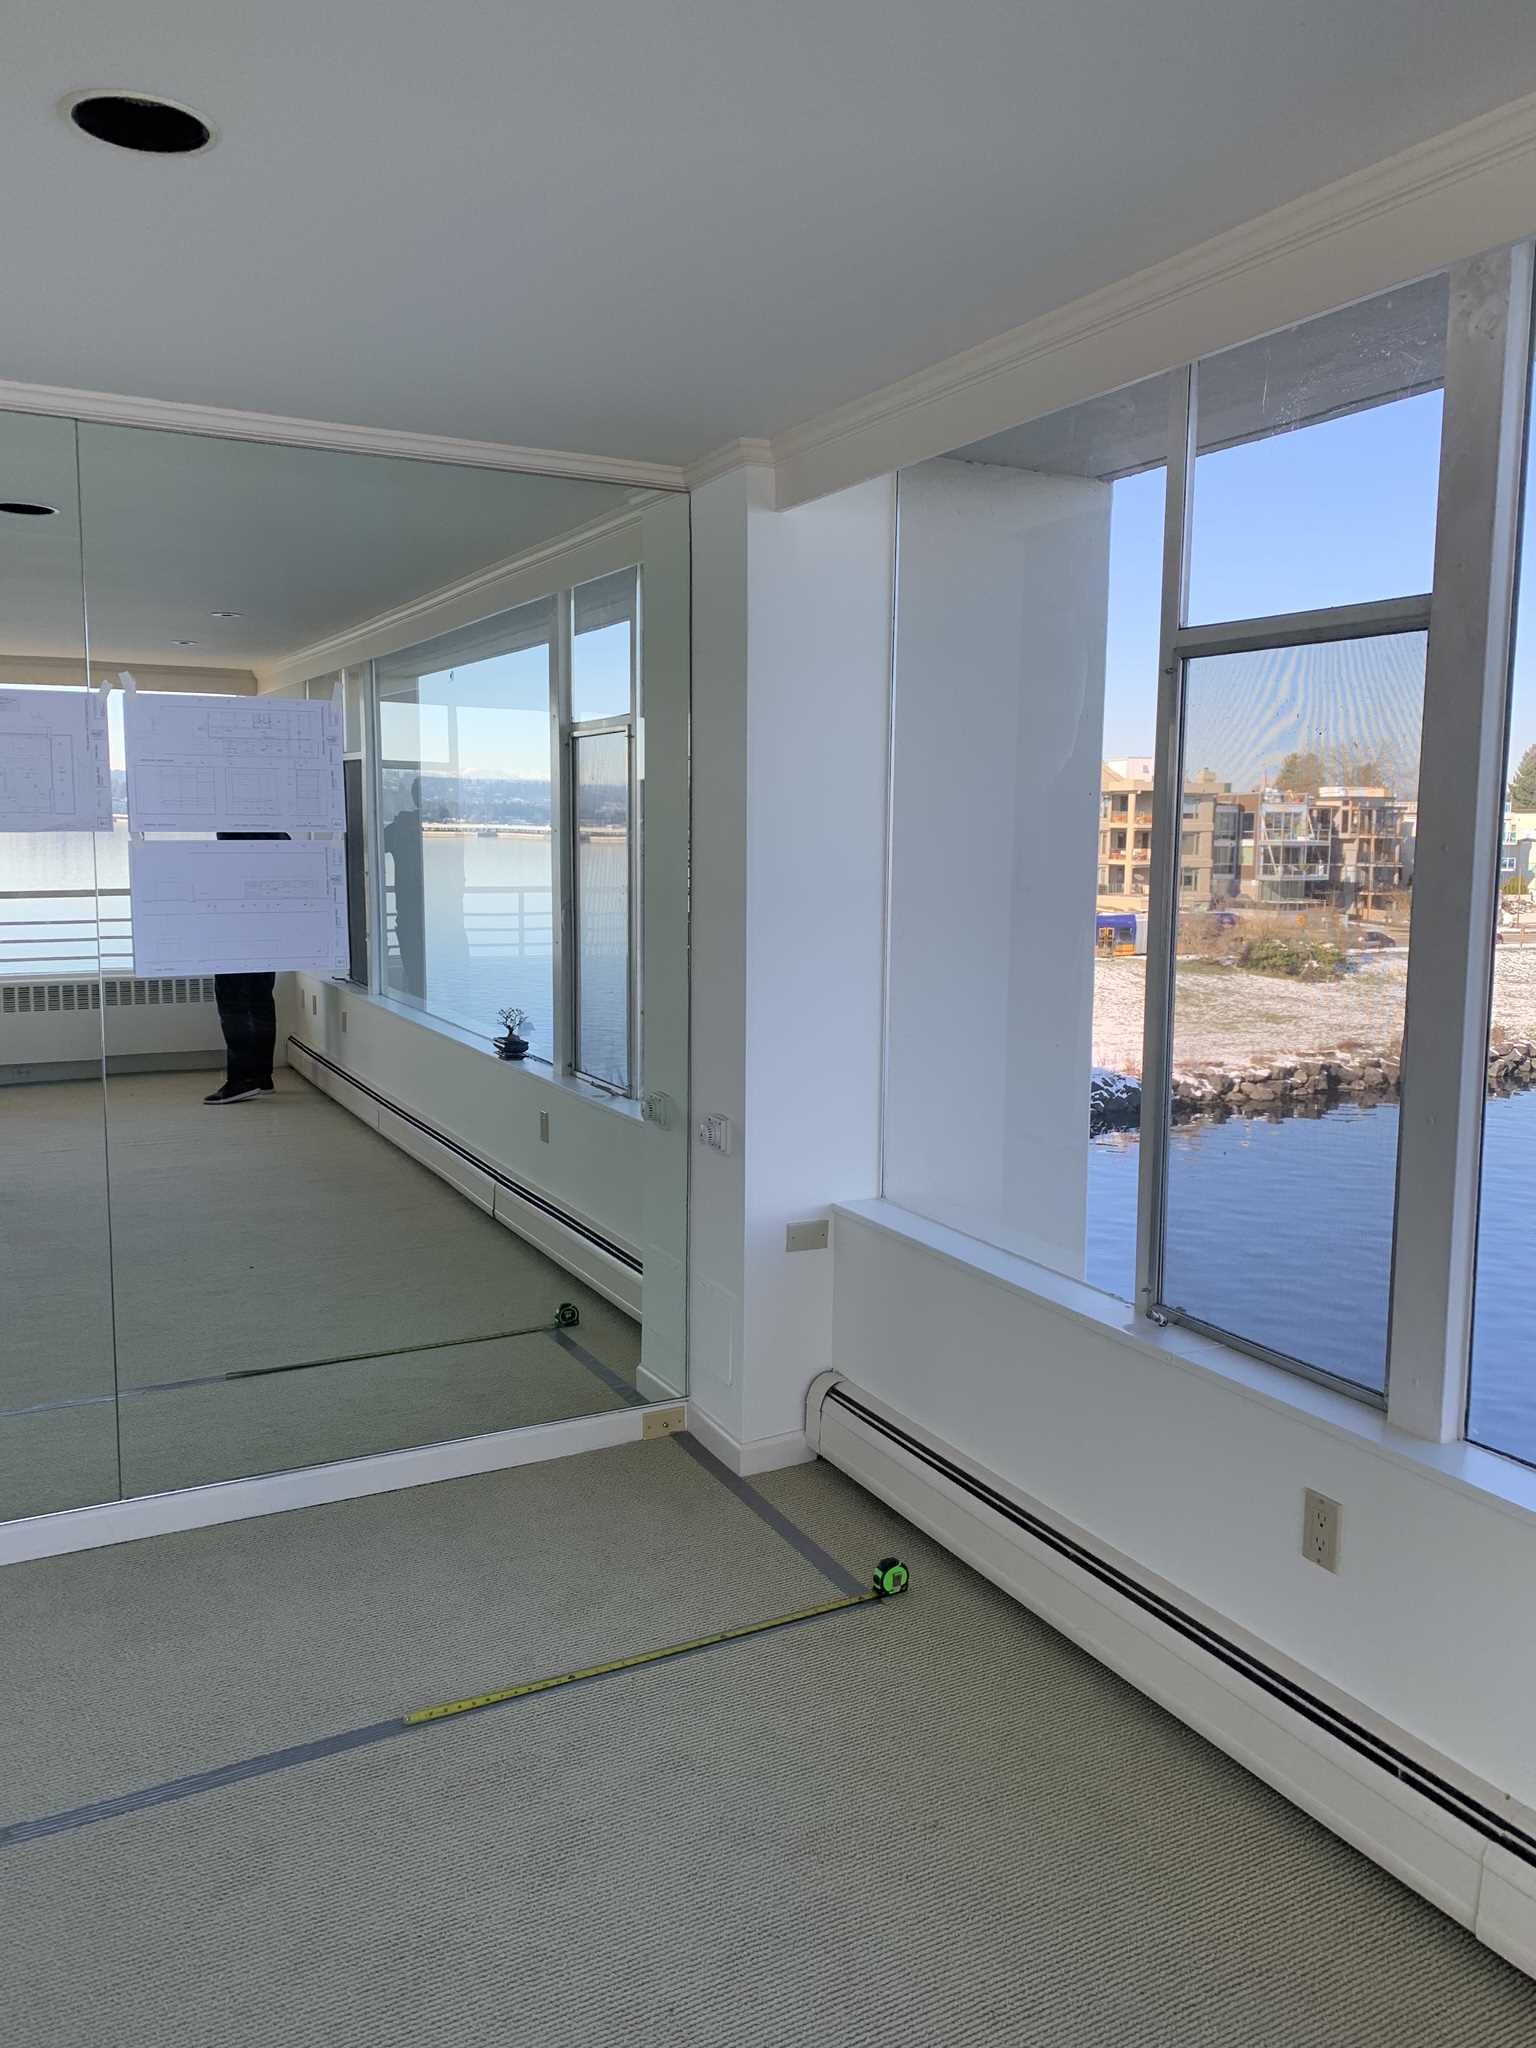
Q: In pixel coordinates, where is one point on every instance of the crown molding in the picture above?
(1456, 195)
(110, 408)
(743, 454)
(458, 603)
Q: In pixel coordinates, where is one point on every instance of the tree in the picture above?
(1522, 791)
(1303, 772)
(1355, 771)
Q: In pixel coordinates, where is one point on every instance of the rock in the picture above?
(1114, 1102)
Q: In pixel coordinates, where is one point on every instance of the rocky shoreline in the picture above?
(1304, 1086)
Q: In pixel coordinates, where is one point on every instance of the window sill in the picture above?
(539, 1069)
(1493, 1479)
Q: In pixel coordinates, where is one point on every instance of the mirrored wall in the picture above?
(343, 955)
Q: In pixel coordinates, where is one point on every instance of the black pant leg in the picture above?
(248, 1019)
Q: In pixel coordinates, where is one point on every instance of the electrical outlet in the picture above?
(343, 1023)
(807, 1237)
(543, 1126)
(1320, 1530)
(663, 1421)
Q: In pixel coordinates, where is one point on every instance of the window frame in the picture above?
(562, 1063)
(1468, 619)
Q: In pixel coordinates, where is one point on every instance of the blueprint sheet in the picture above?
(232, 764)
(210, 906)
(54, 770)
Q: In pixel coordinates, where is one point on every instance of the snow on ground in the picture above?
(1223, 1015)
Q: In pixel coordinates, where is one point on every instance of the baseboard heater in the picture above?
(524, 1193)
(980, 1521)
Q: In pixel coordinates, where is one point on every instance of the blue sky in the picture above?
(1331, 514)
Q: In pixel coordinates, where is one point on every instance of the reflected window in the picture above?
(602, 908)
(465, 825)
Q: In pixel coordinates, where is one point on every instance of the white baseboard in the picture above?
(652, 1388)
(585, 1261)
(238, 1500)
(1438, 1854)
(757, 1454)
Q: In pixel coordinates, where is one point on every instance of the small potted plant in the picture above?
(512, 1045)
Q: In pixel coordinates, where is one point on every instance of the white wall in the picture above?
(1197, 1474)
(791, 666)
(1003, 579)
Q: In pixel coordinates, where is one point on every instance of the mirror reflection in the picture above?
(346, 1070)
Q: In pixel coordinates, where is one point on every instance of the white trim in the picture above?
(743, 454)
(1497, 1482)
(1434, 1852)
(757, 1454)
(1451, 197)
(224, 423)
(237, 1500)
(1461, 803)
(613, 541)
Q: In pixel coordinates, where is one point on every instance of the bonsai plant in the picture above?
(512, 1045)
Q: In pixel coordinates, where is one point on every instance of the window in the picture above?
(604, 641)
(1288, 1006)
(1268, 1183)
(505, 785)
(1501, 1411)
(1319, 451)
(464, 824)
(1029, 574)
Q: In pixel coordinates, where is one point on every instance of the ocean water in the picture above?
(1281, 1231)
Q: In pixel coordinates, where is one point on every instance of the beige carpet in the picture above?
(264, 1234)
(928, 1824)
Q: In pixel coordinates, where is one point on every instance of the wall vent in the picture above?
(43, 998)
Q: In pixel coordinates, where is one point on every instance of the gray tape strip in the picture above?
(615, 1382)
(199, 1781)
(20, 1831)
(776, 1519)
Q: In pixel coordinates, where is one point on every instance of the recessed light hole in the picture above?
(130, 121)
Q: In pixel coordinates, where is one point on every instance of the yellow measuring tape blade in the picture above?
(532, 1685)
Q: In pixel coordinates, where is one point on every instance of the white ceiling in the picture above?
(644, 227)
(302, 542)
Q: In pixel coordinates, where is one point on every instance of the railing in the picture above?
(46, 944)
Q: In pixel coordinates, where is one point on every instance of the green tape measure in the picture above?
(891, 1577)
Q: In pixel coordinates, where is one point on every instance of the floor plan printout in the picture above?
(212, 906)
(54, 770)
(232, 764)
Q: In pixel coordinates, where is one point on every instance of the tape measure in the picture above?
(891, 1577)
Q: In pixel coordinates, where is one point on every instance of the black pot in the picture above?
(510, 1048)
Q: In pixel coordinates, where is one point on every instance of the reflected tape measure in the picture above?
(890, 1578)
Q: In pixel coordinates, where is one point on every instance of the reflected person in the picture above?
(402, 842)
(248, 1019)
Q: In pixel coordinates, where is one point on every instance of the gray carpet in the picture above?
(928, 1824)
(264, 1234)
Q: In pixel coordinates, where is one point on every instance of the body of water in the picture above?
(486, 939)
(1281, 1231)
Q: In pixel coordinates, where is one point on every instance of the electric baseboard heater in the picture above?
(1449, 1836)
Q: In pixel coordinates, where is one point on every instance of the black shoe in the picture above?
(230, 1094)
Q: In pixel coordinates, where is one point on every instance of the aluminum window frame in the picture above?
(1468, 621)
(630, 724)
(562, 1063)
